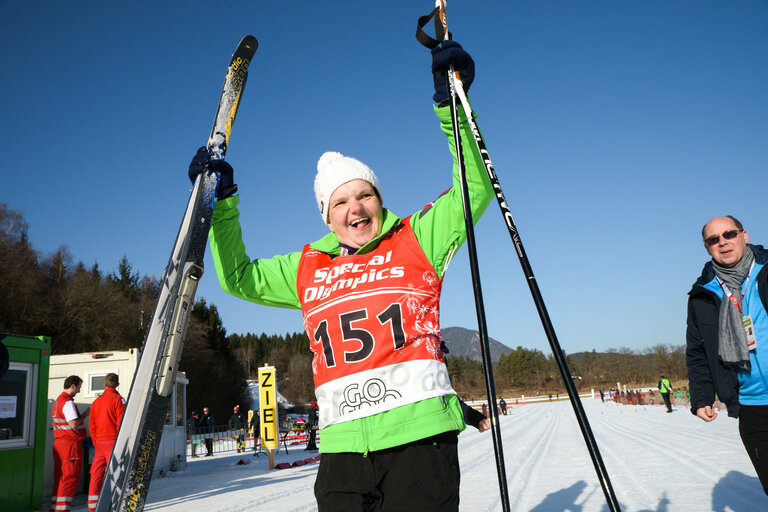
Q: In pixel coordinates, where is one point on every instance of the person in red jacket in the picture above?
(106, 414)
(68, 434)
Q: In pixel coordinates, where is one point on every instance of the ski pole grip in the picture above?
(442, 18)
(442, 34)
(440, 31)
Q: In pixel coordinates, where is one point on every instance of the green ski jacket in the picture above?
(440, 231)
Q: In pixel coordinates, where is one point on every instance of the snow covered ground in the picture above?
(656, 462)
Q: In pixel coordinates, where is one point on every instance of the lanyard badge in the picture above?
(750, 330)
(749, 327)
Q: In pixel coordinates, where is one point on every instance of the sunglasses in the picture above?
(728, 235)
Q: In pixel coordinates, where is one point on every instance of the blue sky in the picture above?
(617, 129)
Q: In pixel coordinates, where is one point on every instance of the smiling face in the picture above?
(355, 213)
(727, 253)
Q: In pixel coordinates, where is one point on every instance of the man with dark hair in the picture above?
(255, 427)
(237, 424)
(312, 426)
(206, 424)
(191, 431)
(68, 434)
(727, 336)
(106, 414)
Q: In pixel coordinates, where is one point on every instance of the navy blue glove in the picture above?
(202, 161)
(450, 52)
(199, 163)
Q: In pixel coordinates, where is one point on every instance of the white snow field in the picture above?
(656, 462)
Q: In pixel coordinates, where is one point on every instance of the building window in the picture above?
(17, 409)
(95, 383)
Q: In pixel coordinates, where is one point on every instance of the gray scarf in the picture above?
(732, 348)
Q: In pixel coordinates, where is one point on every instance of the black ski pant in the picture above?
(311, 445)
(753, 427)
(423, 475)
(665, 396)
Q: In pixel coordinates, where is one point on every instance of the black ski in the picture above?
(129, 471)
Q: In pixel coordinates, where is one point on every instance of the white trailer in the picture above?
(92, 367)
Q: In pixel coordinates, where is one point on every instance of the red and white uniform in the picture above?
(373, 321)
(106, 414)
(67, 452)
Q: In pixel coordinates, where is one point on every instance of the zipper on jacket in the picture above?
(364, 428)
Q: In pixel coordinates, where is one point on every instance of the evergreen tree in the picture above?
(125, 280)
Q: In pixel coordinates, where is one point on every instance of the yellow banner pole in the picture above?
(268, 410)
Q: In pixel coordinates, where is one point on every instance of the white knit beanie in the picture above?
(334, 170)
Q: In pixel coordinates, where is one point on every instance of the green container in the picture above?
(23, 420)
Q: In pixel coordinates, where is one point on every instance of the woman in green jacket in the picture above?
(369, 293)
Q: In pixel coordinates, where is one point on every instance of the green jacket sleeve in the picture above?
(439, 227)
(271, 282)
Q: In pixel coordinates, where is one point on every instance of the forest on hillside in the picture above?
(528, 371)
(87, 309)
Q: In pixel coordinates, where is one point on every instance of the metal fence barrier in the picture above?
(681, 398)
(223, 440)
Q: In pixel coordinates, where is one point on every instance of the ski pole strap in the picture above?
(423, 37)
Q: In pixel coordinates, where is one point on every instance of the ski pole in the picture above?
(589, 438)
(485, 351)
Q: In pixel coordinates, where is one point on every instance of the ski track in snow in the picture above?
(537, 438)
(656, 462)
(649, 453)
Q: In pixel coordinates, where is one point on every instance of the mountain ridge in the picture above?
(466, 342)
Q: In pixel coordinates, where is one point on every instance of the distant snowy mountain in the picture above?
(465, 342)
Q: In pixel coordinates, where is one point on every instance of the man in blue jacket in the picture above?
(727, 336)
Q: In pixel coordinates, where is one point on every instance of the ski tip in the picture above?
(251, 42)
